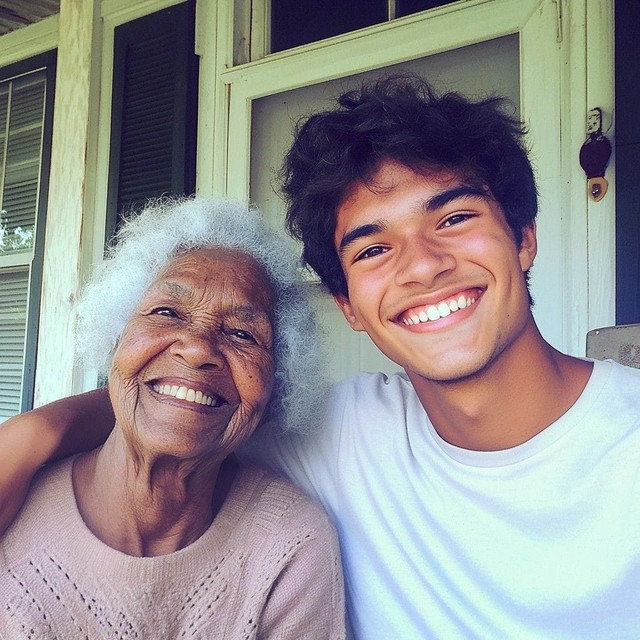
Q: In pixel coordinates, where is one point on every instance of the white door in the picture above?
(476, 70)
(518, 48)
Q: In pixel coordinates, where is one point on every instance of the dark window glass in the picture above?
(153, 111)
(627, 155)
(407, 7)
(297, 22)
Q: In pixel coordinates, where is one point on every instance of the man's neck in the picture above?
(524, 390)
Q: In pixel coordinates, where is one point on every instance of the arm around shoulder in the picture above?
(27, 441)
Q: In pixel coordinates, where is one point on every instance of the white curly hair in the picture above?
(169, 227)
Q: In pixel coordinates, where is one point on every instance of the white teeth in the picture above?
(184, 393)
(442, 310)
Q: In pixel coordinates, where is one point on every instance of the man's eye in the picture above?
(457, 218)
(371, 252)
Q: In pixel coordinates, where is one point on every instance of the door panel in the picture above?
(476, 70)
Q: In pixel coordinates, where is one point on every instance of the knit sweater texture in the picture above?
(267, 567)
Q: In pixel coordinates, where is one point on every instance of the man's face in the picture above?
(433, 272)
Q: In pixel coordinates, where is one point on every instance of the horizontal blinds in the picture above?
(22, 107)
(21, 124)
(146, 151)
(14, 291)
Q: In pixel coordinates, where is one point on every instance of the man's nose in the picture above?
(423, 260)
(200, 350)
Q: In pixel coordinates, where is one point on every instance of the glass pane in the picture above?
(407, 7)
(14, 289)
(477, 70)
(21, 148)
(298, 22)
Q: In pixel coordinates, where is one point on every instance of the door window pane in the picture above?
(407, 7)
(477, 70)
(298, 22)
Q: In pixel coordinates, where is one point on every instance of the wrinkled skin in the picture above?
(159, 480)
(205, 324)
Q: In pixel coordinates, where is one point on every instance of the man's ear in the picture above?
(528, 247)
(347, 311)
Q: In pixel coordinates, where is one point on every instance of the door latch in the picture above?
(594, 156)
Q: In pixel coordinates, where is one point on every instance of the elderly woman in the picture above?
(199, 318)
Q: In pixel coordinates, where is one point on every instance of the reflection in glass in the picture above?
(21, 124)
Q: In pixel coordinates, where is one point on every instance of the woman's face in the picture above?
(193, 369)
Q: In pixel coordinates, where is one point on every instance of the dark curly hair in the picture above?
(399, 118)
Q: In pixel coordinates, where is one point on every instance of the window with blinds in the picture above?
(14, 289)
(153, 132)
(24, 130)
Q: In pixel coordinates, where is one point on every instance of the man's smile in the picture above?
(430, 312)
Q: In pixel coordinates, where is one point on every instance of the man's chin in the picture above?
(452, 374)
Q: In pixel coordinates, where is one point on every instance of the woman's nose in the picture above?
(423, 261)
(199, 350)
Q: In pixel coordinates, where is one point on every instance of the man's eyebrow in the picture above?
(361, 231)
(445, 197)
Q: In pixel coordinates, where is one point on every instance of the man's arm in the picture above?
(27, 441)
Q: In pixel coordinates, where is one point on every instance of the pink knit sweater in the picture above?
(268, 567)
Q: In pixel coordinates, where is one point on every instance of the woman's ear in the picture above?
(347, 311)
(528, 247)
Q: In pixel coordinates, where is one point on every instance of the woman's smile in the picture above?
(201, 343)
(188, 395)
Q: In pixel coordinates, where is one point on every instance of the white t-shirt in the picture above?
(538, 541)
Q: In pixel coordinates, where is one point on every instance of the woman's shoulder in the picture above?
(275, 504)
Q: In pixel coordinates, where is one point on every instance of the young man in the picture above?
(493, 492)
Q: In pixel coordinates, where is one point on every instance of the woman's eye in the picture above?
(168, 312)
(243, 335)
(371, 252)
(456, 219)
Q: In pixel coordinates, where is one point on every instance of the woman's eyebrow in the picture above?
(445, 197)
(175, 289)
(248, 313)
